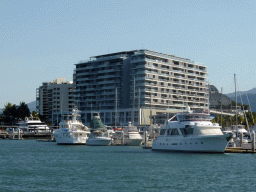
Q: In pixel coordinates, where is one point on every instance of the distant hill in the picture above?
(32, 106)
(251, 97)
(238, 93)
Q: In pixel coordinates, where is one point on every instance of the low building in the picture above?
(55, 98)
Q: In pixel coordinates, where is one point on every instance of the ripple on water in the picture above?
(39, 166)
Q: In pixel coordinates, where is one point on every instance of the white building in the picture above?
(132, 85)
(55, 98)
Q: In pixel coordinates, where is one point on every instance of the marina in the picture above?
(40, 137)
(102, 96)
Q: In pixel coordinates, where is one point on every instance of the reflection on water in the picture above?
(40, 166)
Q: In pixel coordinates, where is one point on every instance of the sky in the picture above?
(42, 40)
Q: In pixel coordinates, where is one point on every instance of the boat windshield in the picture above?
(39, 123)
(194, 117)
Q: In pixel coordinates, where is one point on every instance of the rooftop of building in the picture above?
(57, 81)
(137, 52)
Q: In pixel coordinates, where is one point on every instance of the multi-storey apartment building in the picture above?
(55, 98)
(131, 85)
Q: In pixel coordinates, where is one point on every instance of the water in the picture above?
(29, 165)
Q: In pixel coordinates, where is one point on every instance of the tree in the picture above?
(9, 113)
(12, 113)
(23, 111)
(34, 114)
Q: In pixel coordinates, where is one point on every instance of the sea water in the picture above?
(28, 165)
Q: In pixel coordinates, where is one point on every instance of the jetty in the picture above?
(148, 145)
(25, 135)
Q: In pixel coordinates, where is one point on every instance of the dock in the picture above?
(238, 150)
(25, 135)
(227, 150)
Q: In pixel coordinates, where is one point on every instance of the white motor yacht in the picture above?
(33, 124)
(191, 132)
(71, 131)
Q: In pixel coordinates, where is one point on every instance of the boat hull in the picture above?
(132, 142)
(204, 144)
(71, 141)
(99, 141)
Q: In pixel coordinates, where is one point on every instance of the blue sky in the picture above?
(42, 40)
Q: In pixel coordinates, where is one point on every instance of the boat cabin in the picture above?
(187, 124)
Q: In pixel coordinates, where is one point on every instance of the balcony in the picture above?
(104, 65)
(150, 66)
(109, 57)
(137, 60)
(108, 70)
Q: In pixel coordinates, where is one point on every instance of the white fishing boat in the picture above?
(100, 135)
(129, 136)
(132, 136)
(71, 131)
(33, 124)
(191, 132)
(99, 138)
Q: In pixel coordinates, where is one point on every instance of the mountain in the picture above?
(251, 98)
(238, 93)
(32, 106)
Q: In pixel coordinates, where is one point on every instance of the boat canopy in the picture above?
(96, 123)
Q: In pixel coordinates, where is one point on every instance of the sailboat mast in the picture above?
(116, 108)
(168, 109)
(150, 128)
(236, 105)
(208, 97)
(139, 108)
(250, 107)
(133, 101)
(221, 105)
